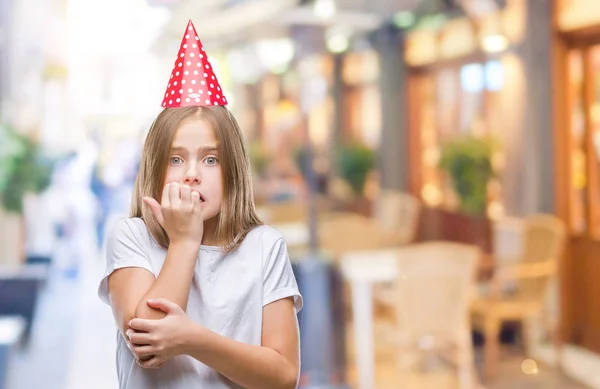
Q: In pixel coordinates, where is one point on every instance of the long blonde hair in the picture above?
(238, 214)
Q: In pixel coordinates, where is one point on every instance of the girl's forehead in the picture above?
(195, 129)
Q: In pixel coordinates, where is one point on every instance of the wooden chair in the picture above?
(398, 215)
(518, 291)
(344, 232)
(432, 295)
(284, 212)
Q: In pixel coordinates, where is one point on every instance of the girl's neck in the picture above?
(210, 227)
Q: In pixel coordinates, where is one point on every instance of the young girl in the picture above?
(203, 293)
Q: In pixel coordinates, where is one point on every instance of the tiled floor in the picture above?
(73, 341)
(43, 363)
(510, 376)
(510, 373)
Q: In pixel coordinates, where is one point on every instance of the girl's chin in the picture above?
(209, 218)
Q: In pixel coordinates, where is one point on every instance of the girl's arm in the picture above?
(274, 365)
(180, 215)
(130, 287)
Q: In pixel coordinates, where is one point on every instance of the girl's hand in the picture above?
(179, 213)
(153, 342)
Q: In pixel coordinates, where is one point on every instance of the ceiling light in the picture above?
(495, 43)
(337, 43)
(324, 9)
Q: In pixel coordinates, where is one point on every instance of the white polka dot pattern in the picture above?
(193, 70)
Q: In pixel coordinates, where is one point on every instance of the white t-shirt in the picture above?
(227, 295)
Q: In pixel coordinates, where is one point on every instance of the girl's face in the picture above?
(194, 161)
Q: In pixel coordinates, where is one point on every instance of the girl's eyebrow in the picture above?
(204, 149)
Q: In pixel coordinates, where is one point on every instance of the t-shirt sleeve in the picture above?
(125, 247)
(279, 280)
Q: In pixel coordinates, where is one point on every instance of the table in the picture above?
(11, 329)
(362, 270)
(338, 233)
(295, 234)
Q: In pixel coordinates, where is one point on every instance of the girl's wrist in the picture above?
(186, 244)
(194, 338)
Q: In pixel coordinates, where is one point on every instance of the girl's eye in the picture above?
(176, 161)
(211, 160)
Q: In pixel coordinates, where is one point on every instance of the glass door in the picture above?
(593, 137)
(578, 155)
(584, 169)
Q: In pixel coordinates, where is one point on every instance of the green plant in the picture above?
(355, 162)
(23, 168)
(468, 162)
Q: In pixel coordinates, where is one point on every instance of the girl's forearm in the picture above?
(250, 366)
(173, 281)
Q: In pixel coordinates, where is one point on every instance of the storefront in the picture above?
(466, 78)
(462, 76)
(577, 134)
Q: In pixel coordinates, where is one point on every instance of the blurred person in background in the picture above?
(113, 186)
(77, 208)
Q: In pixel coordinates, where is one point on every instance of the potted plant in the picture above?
(468, 163)
(23, 169)
(355, 162)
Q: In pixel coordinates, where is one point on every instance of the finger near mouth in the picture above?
(201, 197)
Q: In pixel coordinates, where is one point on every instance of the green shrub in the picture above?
(468, 163)
(23, 169)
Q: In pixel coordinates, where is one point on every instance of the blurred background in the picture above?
(438, 160)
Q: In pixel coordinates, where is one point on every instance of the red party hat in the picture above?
(193, 82)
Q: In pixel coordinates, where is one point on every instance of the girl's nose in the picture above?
(192, 176)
